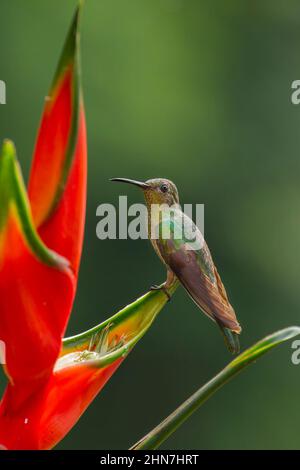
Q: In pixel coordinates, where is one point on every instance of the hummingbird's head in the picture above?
(156, 191)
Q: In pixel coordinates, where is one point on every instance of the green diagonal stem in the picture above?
(167, 427)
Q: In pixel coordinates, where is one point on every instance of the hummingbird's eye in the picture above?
(164, 188)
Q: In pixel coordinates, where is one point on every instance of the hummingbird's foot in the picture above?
(163, 288)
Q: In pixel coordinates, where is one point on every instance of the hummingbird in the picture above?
(186, 261)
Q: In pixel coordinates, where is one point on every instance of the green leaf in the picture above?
(167, 427)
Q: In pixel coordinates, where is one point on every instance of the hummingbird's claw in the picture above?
(163, 288)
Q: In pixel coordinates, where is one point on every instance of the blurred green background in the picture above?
(198, 92)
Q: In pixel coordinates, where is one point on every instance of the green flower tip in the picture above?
(8, 149)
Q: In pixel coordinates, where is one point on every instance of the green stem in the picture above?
(167, 427)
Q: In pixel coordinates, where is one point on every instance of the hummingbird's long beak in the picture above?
(140, 184)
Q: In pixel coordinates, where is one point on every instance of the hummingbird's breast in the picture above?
(153, 227)
(160, 222)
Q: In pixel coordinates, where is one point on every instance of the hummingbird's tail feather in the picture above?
(231, 339)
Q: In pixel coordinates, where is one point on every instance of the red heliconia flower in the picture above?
(41, 241)
(51, 380)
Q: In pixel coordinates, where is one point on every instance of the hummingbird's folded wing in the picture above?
(197, 273)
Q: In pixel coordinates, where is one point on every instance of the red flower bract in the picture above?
(37, 289)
